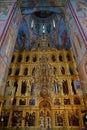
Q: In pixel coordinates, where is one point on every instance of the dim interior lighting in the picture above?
(32, 24)
(86, 117)
(2, 119)
(54, 23)
(43, 29)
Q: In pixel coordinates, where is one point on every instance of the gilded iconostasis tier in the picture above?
(43, 89)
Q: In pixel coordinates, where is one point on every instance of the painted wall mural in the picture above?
(76, 36)
(5, 12)
(2, 72)
(30, 6)
(80, 8)
(5, 9)
(33, 27)
(63, 35)
(9, 34)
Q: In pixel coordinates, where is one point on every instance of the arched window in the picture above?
(23, 88)
(68, 57)
(13, 58)
(62, 70)
(10, 71)
(27, 58)
(71, 70)
(17, 71)
(60, 58)
(25, 71)
(19, 58)
(65, 87)
(53, 58)
(34, 58)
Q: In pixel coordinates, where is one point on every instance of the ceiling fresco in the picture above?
(53, 26)
(42, 17)
(29, 6)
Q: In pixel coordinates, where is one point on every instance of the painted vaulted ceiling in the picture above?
(27, 6)
(42, 16)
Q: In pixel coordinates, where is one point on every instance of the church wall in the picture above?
(77, 17)
(9, 23)
(80, 8)
(78, 37)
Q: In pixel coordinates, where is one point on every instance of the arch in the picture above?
(45, 114)
(45, 104)
(47, 99)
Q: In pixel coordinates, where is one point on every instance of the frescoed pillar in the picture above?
(10, 18)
